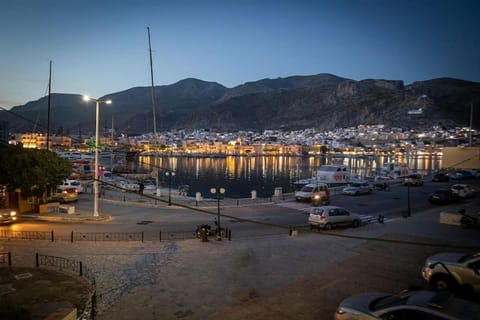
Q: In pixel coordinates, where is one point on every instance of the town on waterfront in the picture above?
(262, 161)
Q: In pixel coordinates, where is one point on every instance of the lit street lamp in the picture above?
(218, 192)
(170, 174)
(95, 180)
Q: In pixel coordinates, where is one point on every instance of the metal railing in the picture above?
(75, 266)
(106, 236)
(27, 235)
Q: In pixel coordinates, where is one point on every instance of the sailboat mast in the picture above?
(157, 176)
(48, 112)
(153, 88)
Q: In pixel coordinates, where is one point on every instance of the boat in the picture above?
(393, 170)
(332, 175)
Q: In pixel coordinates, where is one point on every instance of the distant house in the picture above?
(415, 111)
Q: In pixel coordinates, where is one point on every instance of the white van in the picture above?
(314, 192)
(72, 183)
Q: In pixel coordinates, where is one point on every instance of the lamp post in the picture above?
(218, 192)
(95, 180)
(170, 174)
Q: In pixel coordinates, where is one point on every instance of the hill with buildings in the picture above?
(320, 101)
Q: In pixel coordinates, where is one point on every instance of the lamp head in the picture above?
(86, 98)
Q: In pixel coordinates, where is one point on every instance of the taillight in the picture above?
(322, 217)
(76, 190)
(328, 193)
(65, 192)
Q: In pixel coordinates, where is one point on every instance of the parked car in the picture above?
(443, 196)
(358, 188)
(65, 194)
(464, 190)
(7, 216)
(440, 177)
(314, 192)
(453, 270)
(328, 217)
(407, 305)
(73, 183)
(414, 179)
(462, 175)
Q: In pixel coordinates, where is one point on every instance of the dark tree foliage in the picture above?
(32, 171)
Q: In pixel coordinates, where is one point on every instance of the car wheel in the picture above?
(355, 223)
(443, 282)
(328, 226)
(311, 227)
(357, 193)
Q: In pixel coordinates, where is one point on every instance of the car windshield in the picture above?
(355, 185)
(307, 189)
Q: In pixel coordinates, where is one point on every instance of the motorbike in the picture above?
(208, 231)
(469, 221)
(381, 186)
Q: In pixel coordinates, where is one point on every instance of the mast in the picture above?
(157, 182)
(48, 112)
(153, 88)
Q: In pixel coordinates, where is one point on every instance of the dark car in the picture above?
(414, 179)
(462, 175)
(443, 196)
(440, 177)
(408, 304)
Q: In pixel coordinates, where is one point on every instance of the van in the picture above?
(314, 192)
(73, 184)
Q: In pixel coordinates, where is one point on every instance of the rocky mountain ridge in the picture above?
(322, 101)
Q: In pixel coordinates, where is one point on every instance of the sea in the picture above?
(240, 175)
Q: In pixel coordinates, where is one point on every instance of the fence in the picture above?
(28, 235)
(6, 258)
(75, 266)
(107, 236)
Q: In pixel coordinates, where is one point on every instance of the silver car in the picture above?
(453, 270)
(328, 217)
(358, 188)
(405, 305)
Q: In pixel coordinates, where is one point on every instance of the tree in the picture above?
(33, 171)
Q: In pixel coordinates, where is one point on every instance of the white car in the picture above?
(464, 190)
(358, 188)
(328, 217)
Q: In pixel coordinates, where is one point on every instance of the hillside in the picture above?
(323, 101)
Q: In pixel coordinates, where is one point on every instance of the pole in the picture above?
(408, 200)
(157, 180)
(95, 181)
(219, 233)
(170, 189)
(48, 112)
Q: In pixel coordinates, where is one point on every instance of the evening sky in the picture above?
(98, 47)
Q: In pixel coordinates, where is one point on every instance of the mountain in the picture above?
(323, 101)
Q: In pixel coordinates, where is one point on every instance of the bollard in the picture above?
(71, 237)
(36, 260)
(381, 218)
(229, 235)
(9, 258)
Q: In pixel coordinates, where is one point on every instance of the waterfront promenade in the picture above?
(272, 276)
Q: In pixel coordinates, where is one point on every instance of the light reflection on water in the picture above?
(239, 175)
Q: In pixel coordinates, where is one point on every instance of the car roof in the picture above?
(327, 207)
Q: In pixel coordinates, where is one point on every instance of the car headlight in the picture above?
(340, 311)
(13, 213)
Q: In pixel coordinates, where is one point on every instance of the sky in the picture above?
(99, 47)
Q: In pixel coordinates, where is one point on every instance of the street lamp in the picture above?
(95, 180)
(218, 192)
(170, 174)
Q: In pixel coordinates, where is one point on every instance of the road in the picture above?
(265, 273)
(243, 221)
